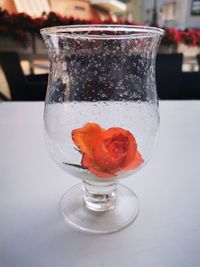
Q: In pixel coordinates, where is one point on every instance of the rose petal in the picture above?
(85, 138)
(136, 162)
(105, 157)
(131, 152)
(88, 163)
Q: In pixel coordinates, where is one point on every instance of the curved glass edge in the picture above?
(139, 31)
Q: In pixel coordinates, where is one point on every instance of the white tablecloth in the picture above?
(33, 232)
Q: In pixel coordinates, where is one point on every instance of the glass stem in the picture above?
(100, 196)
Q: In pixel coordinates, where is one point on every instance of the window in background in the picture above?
(195, 8)
(168, 11)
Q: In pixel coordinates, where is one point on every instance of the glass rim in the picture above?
(82, 31)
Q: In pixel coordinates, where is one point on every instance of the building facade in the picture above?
(80, 9)
(134, 10)
(172, 13)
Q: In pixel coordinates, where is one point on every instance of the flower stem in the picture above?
(75, 165)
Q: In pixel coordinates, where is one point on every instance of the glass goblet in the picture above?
(101, 117)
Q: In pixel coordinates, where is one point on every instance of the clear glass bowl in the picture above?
(101, 117)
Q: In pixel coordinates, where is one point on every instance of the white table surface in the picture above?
(33, 232)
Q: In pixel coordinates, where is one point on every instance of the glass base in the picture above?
(79, 216)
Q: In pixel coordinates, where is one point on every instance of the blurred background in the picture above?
(23, 56)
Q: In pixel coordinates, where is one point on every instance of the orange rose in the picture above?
(106, 152)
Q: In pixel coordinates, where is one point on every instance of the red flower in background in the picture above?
(12, 24)
(190, 37)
